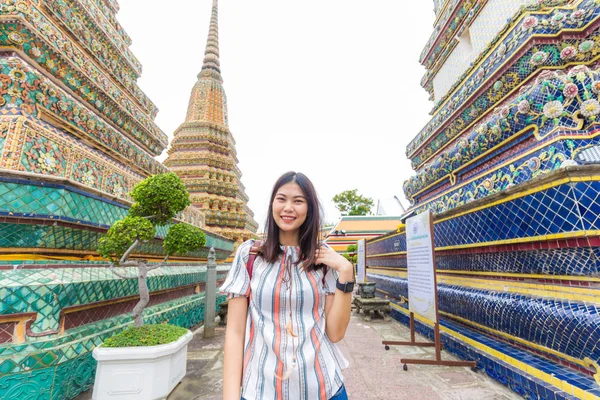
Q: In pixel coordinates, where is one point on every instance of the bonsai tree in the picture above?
(157, 200)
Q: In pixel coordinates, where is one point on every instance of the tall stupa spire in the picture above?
(203, 150)
(211, 53)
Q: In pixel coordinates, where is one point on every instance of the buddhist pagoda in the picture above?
(508, 165)
(76, 135)
(203, 151)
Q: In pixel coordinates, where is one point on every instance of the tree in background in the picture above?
(157, 200)
(350, 202)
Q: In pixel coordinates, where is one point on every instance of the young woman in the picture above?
(282, 322)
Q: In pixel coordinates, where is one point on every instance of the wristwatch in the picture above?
(346, 287)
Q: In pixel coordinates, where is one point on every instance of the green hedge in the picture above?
(146, 335)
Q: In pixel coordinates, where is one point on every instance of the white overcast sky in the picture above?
(329, 88)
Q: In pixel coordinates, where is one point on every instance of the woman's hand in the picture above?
(331, 258)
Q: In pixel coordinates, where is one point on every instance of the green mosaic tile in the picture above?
(7, 366)
(19, 198)
(47, 291)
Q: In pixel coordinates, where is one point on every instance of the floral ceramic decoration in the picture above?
(575, 89)
(43, 156)
(511, 42)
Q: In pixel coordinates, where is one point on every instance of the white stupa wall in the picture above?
(490, 21)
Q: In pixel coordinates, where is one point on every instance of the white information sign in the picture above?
(421, 273)
(361, 265)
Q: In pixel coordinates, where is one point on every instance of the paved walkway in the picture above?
(373, 373)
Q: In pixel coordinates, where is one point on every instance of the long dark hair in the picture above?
(309, 230)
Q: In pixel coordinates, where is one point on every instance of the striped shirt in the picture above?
(285, 301)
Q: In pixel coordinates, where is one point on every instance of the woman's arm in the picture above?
(234, 347)
(337, 306)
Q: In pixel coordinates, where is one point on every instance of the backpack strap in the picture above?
(251, 258)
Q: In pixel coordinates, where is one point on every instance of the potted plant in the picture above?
(145, 361)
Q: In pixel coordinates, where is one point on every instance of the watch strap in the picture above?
(346, 287)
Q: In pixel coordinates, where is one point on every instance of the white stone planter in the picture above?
(140, 373)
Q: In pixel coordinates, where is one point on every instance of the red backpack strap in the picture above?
(251, 257)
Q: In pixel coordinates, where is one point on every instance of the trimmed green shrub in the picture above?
(146, 335)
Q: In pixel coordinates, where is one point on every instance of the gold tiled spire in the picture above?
(203, 150)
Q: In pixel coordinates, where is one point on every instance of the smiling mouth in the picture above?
(288, 219)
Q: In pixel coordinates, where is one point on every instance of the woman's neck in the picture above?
(289, 238)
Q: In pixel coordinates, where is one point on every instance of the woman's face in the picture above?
(289, 208)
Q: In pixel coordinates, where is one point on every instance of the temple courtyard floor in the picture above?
(374, 373)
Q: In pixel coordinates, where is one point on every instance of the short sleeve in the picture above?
(237, 283)
(331, 276)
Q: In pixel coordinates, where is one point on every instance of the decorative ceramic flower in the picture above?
(524, 106)
(62, 106)
(498, 85)
(534, 163)
(18, 75)
(483, 128)
(36, 52)
(502, 50)
(586, 46)
(16, 38)
(118, 190)
(495, 130)
(530, 22)
(545, 75)
(474, 112)
(50, 63)
(577, 15)
(88, 178)
(504, 111)
(14, 92)
(557, 18)
(40, 98)
(47, 162)
(570, 90)
(553, 109)
(596, 87)
(488, 184)
(590, 107)
(568, 52)
(538, 58)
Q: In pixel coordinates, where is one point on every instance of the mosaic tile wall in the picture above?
(497, 359)
(509, 59)
(569, 261)
(63, 367)
(508, 166)
(76, 135)
(48, 291)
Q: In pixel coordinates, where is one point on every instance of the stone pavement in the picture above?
(373, 373)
